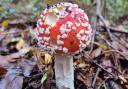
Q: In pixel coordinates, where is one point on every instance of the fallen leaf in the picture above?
(23, 51)
(82, 65)
(33, 33)
(1, 37)
(11, 82)
(14, 57)
(76, 62)
(37, 55)
(5, 23)
(20, 44)
(27, 66)
(115, 45)
(96, 52)
(4, 62)
(50, 71)
(47, 58)
(121, 27)
(101, 45)
(3, 71)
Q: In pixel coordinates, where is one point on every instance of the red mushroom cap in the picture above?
(63, 27)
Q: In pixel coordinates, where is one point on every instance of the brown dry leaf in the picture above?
(106, 62)
(82, 65)
(96, 52)
(50, 71)
(120, 48)
(84, 79)
(26, 66)
(4, 61)
(81, 79)
(115, 45)
(11, 82)
(3, 71)
(20, 44)
(13, 57)
(124, 42)
(37, 56)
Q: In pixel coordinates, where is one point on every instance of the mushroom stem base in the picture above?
(64, 71)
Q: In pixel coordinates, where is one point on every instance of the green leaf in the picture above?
(45, 76)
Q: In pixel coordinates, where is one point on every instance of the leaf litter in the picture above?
(101, 65)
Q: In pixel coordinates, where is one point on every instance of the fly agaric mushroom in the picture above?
(63, 29)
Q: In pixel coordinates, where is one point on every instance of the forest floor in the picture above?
(102, 65)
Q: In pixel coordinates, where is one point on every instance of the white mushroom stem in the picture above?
(64, 71)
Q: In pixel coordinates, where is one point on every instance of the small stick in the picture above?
(103, 68)
(99, 15)
(97, 73)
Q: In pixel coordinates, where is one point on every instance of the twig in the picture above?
(97, 73)
(118, 30)
(108, 30)
(98, 9)
(103, 68)
(96, 19)
(114, 69)
(102, 83)
(93, 34)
